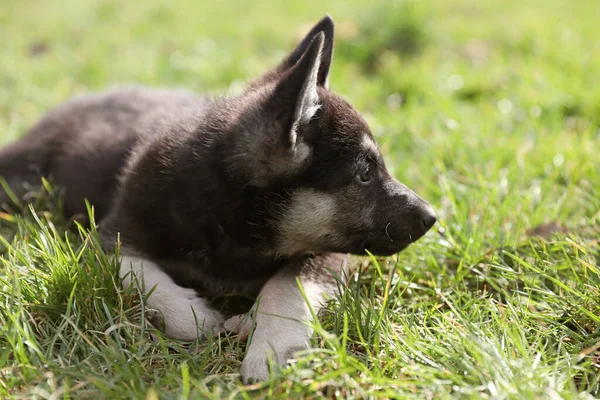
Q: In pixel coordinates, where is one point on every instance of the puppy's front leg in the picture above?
(282, 315)
(186, 315)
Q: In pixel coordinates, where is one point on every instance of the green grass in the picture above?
(490, 110)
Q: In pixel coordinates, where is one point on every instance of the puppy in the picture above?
(243, 195)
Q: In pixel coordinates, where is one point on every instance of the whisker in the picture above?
(386, 232)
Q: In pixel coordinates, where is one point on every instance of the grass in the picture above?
(487, 109)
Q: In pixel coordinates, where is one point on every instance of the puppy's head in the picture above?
(314, 158)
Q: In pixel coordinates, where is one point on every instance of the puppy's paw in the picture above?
(241, 325)
(255, 367)
(176, 311)
(155, 319)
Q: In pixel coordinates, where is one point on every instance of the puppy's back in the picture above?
(83, 144)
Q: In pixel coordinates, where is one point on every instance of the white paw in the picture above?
(186, 316)
(177, 311)
(241, 325)
(256, 367)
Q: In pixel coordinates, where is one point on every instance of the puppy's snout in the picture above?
(428, 219)
(414, 216)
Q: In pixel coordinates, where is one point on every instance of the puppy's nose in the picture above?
(428, 219)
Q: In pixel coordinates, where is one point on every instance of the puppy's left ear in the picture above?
(324, 26)
(295, 99)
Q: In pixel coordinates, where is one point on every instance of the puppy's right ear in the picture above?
(325, 26)
(295, 99)
(271, 146)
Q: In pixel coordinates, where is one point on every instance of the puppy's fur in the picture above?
(224, 196)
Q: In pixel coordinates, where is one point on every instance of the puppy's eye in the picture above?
(365, 176)
(318, 113)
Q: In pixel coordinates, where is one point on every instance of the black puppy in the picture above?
(233, 195)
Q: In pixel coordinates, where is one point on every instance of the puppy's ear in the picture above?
(324, 26)
(295, 99)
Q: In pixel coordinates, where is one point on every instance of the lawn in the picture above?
(490, 110)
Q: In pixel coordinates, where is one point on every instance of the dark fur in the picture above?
(203, 186)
